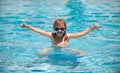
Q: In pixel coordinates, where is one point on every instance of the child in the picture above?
(59, 37)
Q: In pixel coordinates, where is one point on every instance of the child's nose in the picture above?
(59, 30)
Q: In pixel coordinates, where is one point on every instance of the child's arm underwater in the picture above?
(75, 35)
(44, 51)
(77, 51)
(42, 32)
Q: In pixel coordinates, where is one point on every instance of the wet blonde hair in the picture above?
(59, 22)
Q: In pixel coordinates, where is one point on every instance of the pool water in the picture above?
(19, 47)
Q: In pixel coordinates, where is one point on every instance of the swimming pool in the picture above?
(19, 47)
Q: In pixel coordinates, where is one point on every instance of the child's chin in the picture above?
(59, 34)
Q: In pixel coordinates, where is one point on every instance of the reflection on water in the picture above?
(19, 48)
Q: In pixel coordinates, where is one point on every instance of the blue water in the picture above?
(19, 47)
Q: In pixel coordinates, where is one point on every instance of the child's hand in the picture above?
(95, 26)
(23, 25)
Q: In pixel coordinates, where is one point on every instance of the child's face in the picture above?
(60, 30)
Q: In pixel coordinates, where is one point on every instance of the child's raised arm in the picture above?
(42, 32)
(75, 35)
